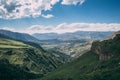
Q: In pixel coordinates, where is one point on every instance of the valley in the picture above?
(72, 44)
(56, 59)
(59, 39)
(72, 48)
(100, 63)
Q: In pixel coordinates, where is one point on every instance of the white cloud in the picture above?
(72, 2)
(64, 27)
(47, 16)
(88, 27)
(13, 9)
(38, 29)
(54, 1)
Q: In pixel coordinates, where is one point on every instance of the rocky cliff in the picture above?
(107, 48)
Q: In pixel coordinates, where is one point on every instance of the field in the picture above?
(7, 43)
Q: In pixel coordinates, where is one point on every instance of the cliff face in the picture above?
(107, 48)
(101, 50)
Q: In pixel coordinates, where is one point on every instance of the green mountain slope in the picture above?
(8, 43)
(24, 60)
(11, 72)
(101, 63)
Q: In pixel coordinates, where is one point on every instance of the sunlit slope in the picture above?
(25, 59)
(8, 43)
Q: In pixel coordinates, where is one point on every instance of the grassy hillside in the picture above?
(74, 69)
(12, 72)
(87, 67)
(8, 43)
(24, 59)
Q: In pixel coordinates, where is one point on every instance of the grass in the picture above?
(8, 43)
(74, 69)
(87, 67)
(28, 56)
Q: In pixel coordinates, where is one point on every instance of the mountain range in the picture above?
(18, 36)
(93, 35)
(23, 58)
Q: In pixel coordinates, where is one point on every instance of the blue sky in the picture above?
(54, 13)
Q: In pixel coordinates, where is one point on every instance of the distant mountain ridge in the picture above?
(46, 36)
(18, 36)
(94, 35)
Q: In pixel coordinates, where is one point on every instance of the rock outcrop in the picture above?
(108, 47)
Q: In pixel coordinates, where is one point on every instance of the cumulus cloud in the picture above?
(64, 27)
(13, 9)
(72, 2)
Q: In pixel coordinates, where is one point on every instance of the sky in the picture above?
(59, 16)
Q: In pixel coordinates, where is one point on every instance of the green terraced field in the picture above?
(7, 43)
